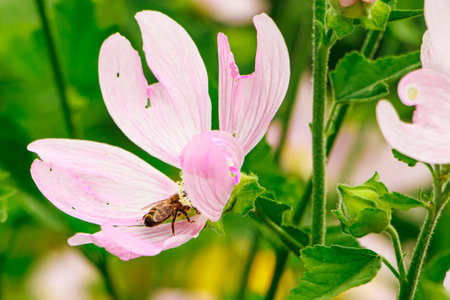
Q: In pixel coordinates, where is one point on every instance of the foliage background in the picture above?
(34, 235)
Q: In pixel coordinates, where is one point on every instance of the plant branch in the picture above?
(391, 267)
(398, 252)
(57, 73)
(408, 290)
(320, 70)
(248, 265)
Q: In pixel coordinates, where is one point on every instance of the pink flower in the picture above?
(171, 120)
(427, 139)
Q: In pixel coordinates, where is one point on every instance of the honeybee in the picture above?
(162, 210)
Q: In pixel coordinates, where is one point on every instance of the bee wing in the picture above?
(150, 206)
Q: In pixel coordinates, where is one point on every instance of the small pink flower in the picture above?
(427, 139)
(171, 120)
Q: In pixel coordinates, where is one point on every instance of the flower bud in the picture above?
(360, 209)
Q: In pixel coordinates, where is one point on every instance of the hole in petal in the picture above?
(118, 74)
(149, 104)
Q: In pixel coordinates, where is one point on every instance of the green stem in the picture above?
(371, 43)
(398, 252)
(58, 77)
(280, 264)
(103, 268)
(287, 239)
(248, 265)
(391, 267)
(408, 290)
(320, 67)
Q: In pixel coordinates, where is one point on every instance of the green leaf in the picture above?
(244, 194)
(341, 24)
(370, 220)
(432, 278)
(403, 158)
(401, 14)
(438, 267)
(357, 78)
(377, 16)
(216, 226)
(274, 210)
(332, 270)
(400, 201)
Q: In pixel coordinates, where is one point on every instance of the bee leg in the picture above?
(174, 217)
(186, 215)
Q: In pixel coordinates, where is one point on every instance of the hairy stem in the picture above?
(320, 70)
(408, 290)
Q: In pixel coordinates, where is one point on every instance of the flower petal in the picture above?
(415, 140)
(248, 103)
(144, 113)
(436, 44)
(210, 163)
(176, 63)
(96, 182)
(131, 242)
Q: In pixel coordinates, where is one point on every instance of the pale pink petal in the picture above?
(429, 91)
(96, 182)
(248, 103)
(144, 113)
(176, 63)
(436, 46)
(131, 242)
(210, 164)
(415, 140)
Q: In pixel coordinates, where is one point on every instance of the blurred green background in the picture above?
(35, 260)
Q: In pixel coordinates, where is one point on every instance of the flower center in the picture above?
(184, 198)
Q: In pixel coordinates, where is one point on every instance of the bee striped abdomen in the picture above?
(158, 215)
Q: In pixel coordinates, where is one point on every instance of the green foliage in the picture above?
(371, 16)
(270, 213)
(6, 191)
(360, 210)
(403, 158)
(366, 208)
(357, 78)
(244, 194)
(377, 15)
(401, 14)
(332, 270)
(216, 226)
(433, 275)
(400, 201)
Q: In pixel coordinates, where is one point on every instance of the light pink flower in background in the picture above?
(427, 139)
(232, 11)
(171, 120)
(374, 155)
